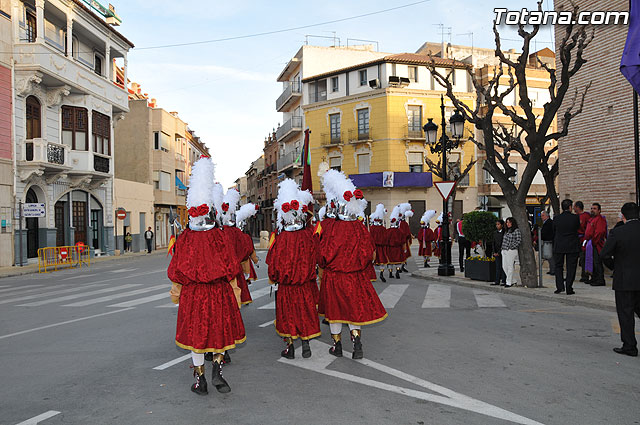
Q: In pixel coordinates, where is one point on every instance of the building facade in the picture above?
(597, 155)
(66, 103)
(269, 176)
(6, 141)
(254, 194)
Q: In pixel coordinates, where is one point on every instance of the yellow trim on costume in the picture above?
(318, 230)
(211, 350)
(272, 239)
(356, 323)
(172, 242)
(304, 338)
(394, 264)
(246, 302)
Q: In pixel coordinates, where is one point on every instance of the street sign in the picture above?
(121, 214)
(63, 253)
(445, 188)
(34, 210)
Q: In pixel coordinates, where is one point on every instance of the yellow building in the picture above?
(367, 121)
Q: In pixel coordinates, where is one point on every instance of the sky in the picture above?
(226, 91)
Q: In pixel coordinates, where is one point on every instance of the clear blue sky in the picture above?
(226, 91)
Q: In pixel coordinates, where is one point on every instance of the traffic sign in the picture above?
(34, 210)
(63, 253)
(445, 188)
(121, 214)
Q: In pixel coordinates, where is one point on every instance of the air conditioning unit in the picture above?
(374, 84)
(394, 81)
(404, 81)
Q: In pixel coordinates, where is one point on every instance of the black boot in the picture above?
(325, 322)
(397, 273)
(217, 380)
(227, 358)
(390, 274)
(357, 344)
(382, 277)
(336, 350)
(306, 349)
(289, 352)
(404, 269)
(208, 357)
(200, 386)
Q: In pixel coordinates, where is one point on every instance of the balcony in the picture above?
(289, 96)
(101, 163)
(414, 132)
(181, 192)
(289, 160)
(330, 139)
(360, 135)
(42, 157)
(318, 97)
(292, 127)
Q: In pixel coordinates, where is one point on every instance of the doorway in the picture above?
(418, 208)
(59, 221)
(80, 221)
(33, 240)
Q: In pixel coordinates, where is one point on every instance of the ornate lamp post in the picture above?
(443, 146)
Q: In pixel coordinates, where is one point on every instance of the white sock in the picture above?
(352, 327)
(197, 358)
(335, 328)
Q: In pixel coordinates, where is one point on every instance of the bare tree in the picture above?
(529, 134)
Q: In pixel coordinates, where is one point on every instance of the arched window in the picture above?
(33, 113)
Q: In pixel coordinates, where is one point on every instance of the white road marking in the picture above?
(488, 299)
(270, 306)
(37, 419)
(259, 293)
(82, 295)
(266, 324)
(53, 325)
(169, 305)
(391, 295)
(80, 277)
(151, 298)
(26, 289)
(46, 294)
(321, 359)
(118, 295)
(122, 270)
(173, 362)
(438, 296)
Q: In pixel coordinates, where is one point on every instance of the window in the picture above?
(416, 162)
(363, 122)
(101, 133)
(415, 118)
(334, 84)
(75, 128)
(97, 64)
(364, 163)
(156, 140)
(163, 181)
(415, 168)
(31, 27)
(161, 141)
(363, 77)
(334, 119)
(487, 178)
(33, 118)
(393, 69)
(335, 163)
(413, 73)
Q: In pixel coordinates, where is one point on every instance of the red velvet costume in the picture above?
(437, 237)
(396, 247)
(292, 265)
(596, 231)
(380, 238)
(584, 220)
(209, 319)
(346, 294)
(243, 251)
(425, 237)
(406, 231)
(248, 244)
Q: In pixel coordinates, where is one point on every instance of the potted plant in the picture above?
(478, 227)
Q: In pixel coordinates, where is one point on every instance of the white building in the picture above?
(67, 100)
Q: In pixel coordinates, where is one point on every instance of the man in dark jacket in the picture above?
(547, 236)
(498, 235)
(566, 244)
(621, 253)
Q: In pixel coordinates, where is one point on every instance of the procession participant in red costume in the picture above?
(292, 267)
(203, 270)
(426, 236)
(245, 213)
(438, 236)
(380, 238)
(346, 249)
(397, 242)
(407, 213)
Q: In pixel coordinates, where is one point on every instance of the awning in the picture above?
(392, 179)
(179, 184)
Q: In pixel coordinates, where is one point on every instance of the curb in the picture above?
(576, 301)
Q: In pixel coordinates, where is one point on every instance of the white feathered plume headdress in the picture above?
(427, 216)
(378, 214)
(339, 188)
(322, 213)
(395, 216)
(200, 193)
(245, 212)
(292, 205)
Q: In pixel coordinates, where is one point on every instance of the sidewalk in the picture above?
(600, 297)
(33, 268)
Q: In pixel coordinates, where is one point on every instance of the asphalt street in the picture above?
(96, 346)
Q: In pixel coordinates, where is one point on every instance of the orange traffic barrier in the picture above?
(62, 257)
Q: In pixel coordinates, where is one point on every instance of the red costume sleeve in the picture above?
(421, 235)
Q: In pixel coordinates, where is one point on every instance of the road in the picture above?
(95, 346)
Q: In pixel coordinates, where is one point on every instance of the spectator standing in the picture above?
(127, 241)
(621, 253)
(547, 236)
(566, 246)
(498, 235)
(595, 236)
(464, 246)
(148, 237)
(578, 209)
(510, 243)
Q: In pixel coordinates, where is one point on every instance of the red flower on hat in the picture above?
(305, 209)
(203, 209)
(225, 207)
(358, 194)
(295, 204)
(285, 207)
(333, 205)
(257, 207)
(193, 212)
(393, 220)
(347, 195)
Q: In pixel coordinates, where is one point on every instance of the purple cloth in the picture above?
(630, 62)
(588, 257)
(400, 179)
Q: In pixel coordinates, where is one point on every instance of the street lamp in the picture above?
(443, 146)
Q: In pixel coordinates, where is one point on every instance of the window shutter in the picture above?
(415, 158)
